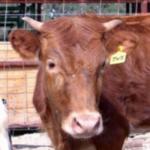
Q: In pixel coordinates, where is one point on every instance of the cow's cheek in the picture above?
(98, 89)
(55, 82)
(56, 93)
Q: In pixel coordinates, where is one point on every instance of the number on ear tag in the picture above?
(118, 58)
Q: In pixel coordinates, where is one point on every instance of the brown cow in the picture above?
(78, 111)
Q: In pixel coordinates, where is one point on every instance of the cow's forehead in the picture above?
(76, 55)
(73, 42)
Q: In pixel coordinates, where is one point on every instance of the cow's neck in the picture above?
(87, 147)
(82, 145)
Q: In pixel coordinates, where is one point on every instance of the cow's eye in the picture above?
(51, 64)
(103, 64)
(102, 68)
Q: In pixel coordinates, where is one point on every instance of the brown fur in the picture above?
(130, 80)
(79, 46)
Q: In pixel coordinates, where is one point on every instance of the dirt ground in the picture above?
(40, 141)
(138, 142)
(34, 141)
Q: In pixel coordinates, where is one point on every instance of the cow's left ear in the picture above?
(111, 24)
(25, 43)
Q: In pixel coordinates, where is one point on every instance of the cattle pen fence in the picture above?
(17, 76)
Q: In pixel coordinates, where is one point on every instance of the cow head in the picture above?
(72, 56)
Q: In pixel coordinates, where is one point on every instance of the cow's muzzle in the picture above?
(83, 125)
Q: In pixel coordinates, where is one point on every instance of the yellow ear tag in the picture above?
(118, 57)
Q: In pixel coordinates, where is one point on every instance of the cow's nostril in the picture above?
(77, 123)
(97, 124)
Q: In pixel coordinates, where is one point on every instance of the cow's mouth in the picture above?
(83, 125)
(86, 135)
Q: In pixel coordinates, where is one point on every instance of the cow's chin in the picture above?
(85, 135)
(67, 127)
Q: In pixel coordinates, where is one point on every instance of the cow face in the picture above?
(72, 56)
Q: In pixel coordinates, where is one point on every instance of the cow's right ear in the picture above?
(26, 43)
